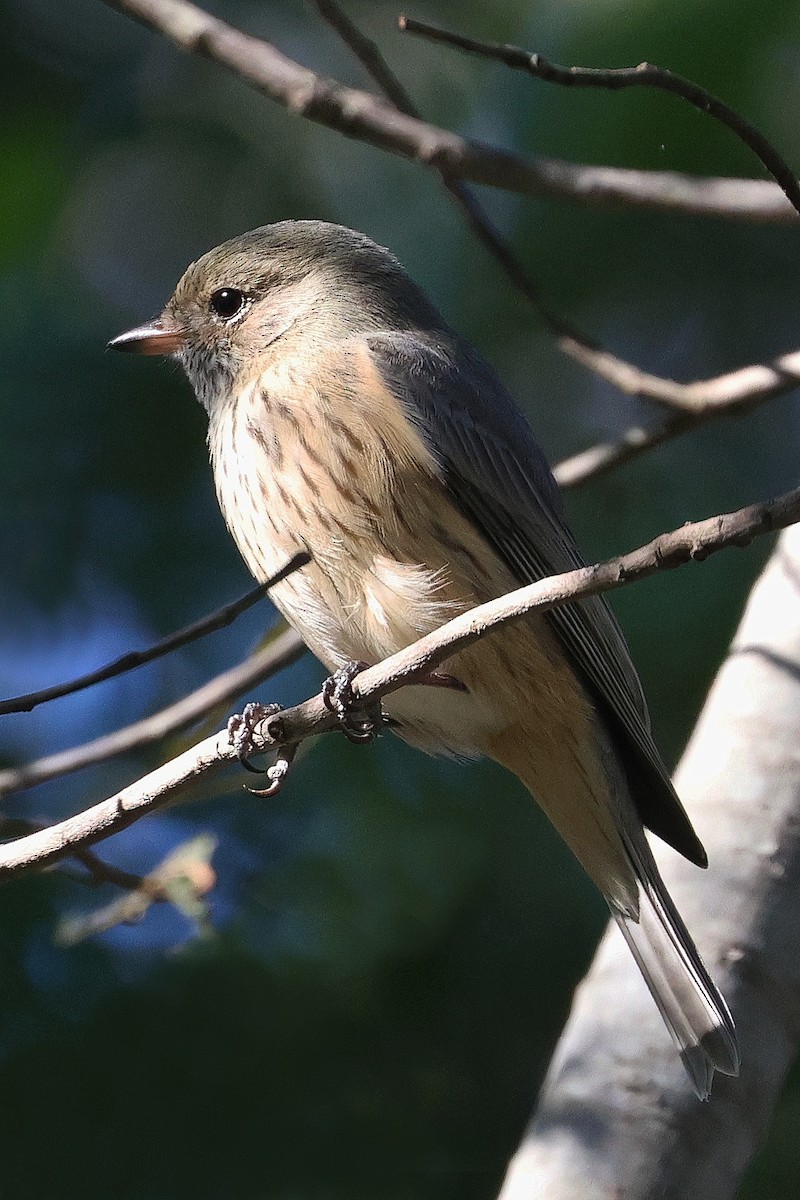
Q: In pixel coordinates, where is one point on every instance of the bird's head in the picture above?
(232, 305)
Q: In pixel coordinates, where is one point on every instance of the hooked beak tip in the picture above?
(153, 338)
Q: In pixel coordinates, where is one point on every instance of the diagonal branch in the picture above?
(395, 126)
(699, 403)
(137, 658)
(365, 117)
(284, 650)
(692, 542)
(569, 339)
(611, 1072)
(96, 871)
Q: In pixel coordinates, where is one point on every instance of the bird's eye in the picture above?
(227, 302)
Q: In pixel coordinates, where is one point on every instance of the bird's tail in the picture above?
(591, 808)
(689, 1001)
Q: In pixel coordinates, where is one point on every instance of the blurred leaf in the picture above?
(184, 878)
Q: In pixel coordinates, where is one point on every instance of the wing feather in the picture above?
(497, 475)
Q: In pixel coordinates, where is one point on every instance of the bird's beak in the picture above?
(156, 337)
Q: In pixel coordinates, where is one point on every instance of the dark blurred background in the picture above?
(393, 941)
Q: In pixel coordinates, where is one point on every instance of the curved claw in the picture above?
(277, 772)
(241, 727)
(358, 722)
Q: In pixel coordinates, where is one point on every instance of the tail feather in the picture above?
(581, 786)
(689, 1001)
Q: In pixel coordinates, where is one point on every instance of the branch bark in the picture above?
(570, 340)
(615, 1117)
(695, 404)
(693, 542)
(644, 75)
(361, 115)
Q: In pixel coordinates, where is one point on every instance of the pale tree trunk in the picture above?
(617, 1117)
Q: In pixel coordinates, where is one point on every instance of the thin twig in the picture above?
(644, 75)
(137, 658)
(604, 457)
(369, 56)
(99, 872)
(690, 542)
(96, 870)
(282, 652)
(697, 396)
(360, 115)
(701, 402)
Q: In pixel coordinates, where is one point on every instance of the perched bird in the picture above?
(346, 417)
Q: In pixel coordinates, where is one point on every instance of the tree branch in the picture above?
(363, 116)
(689, 543)
(613, 1071)
(698, 403)
(137, 658)
(96, 871)
(570, 340)
(644, 75)
(281, 652)
(396, 127)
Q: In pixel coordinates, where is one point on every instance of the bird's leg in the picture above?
(242, 726)
(359, 722)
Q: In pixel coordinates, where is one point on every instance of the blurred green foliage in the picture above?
(395, 940)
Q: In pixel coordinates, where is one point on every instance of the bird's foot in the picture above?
(277, 771)
(359, 722)
(242, 726)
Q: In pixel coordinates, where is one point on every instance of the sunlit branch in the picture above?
(644, 75)
(365, 117)
(394, 125)
(698, 404)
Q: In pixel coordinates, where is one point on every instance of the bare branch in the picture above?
(137, 658)
(360, 115)
(697, 403)
(644, 75)
(369, 56)
(760, 381)
(604, 457)
(284, 650)
(96, 871)
(689, 543)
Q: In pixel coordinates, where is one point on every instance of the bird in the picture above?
(346, 418)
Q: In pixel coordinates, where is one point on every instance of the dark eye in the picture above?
(227, 302)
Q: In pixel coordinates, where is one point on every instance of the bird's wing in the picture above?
(497, 475)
